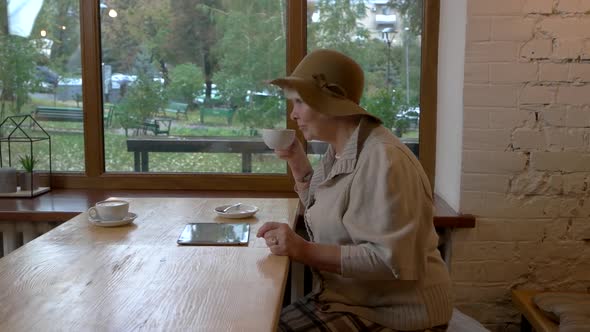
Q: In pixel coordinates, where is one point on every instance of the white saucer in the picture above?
(113, 223)
(242, 211)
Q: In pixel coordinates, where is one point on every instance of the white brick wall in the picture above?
(495, 8)
(580, 72)
(554, 72)
(536, 49)
(574, 95)
(538, 6)
(514, 72)
(565, 27)
(486, 95)
(526, 155)
(573, 6)
(527, 139)
(537, 94)
(480, 30)
(512, 28)
(578, 117)
(567, 49)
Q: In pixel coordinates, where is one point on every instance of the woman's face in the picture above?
(314, 125)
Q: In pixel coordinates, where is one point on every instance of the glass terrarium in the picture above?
(25, 154)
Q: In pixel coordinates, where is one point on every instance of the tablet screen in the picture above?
(214, 234)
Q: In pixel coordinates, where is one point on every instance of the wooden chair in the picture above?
(532, 316)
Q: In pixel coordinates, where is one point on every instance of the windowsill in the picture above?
(63, 204)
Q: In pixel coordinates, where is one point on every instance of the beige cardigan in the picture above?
(376, 203)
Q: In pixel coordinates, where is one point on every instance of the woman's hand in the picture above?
(292, 152)
(296, 158)
(282, 240)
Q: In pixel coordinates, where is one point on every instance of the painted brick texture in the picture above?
(526, 155)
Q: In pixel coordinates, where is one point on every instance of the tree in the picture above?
(144, 97)
(186, 80)
(412, 12)
(338, 25)
(250, 52)
(141, 26)
(142, 100)
(60, 21)
(17, 72)
(194, 21)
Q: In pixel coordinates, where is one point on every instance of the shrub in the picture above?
(186, 80)
(142, 101)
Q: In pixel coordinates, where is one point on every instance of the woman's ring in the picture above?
(273, 240)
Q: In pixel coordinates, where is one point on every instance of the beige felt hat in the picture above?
(328, 81)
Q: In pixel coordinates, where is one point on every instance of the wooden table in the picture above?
(79, 277)
(141, 146)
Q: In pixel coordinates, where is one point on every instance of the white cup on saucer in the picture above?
(109, 210)
(278, 138)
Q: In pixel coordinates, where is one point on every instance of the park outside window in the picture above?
(176, 91)
(186, 84)
(41, 74)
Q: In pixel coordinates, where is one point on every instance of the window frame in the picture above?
(95, 176)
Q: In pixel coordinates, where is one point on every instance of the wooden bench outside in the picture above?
(66, 114)
(176, 108)
(157, 126)
(228, 113)
(61, 114)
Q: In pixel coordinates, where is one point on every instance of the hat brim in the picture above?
(320, 101)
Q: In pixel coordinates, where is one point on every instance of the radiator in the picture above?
(14, 234)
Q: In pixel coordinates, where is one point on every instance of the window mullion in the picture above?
(91, 88)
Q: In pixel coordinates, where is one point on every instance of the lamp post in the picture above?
(406, 42)
(387, 34)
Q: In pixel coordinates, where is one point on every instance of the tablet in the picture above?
(214, 234)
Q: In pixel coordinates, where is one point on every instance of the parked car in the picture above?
(117, 79)
(47, 78)
(412, 115)
(215, 95)
(253, 96)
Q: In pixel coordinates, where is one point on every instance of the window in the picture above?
(388, 49)
(154, 73)
(41, 74)
(189, 77)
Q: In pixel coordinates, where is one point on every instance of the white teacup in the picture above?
(278, 138)
(109, 210)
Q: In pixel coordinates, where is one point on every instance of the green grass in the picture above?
(410, 134)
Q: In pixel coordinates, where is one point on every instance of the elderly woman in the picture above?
(372, 247)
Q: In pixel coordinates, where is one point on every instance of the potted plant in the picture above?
(29, 180)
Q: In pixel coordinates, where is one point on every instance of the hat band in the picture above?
(332, 89)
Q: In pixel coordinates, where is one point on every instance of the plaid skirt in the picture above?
(306, 315)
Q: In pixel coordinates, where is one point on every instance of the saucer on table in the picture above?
(241, 211)
(113, 223)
